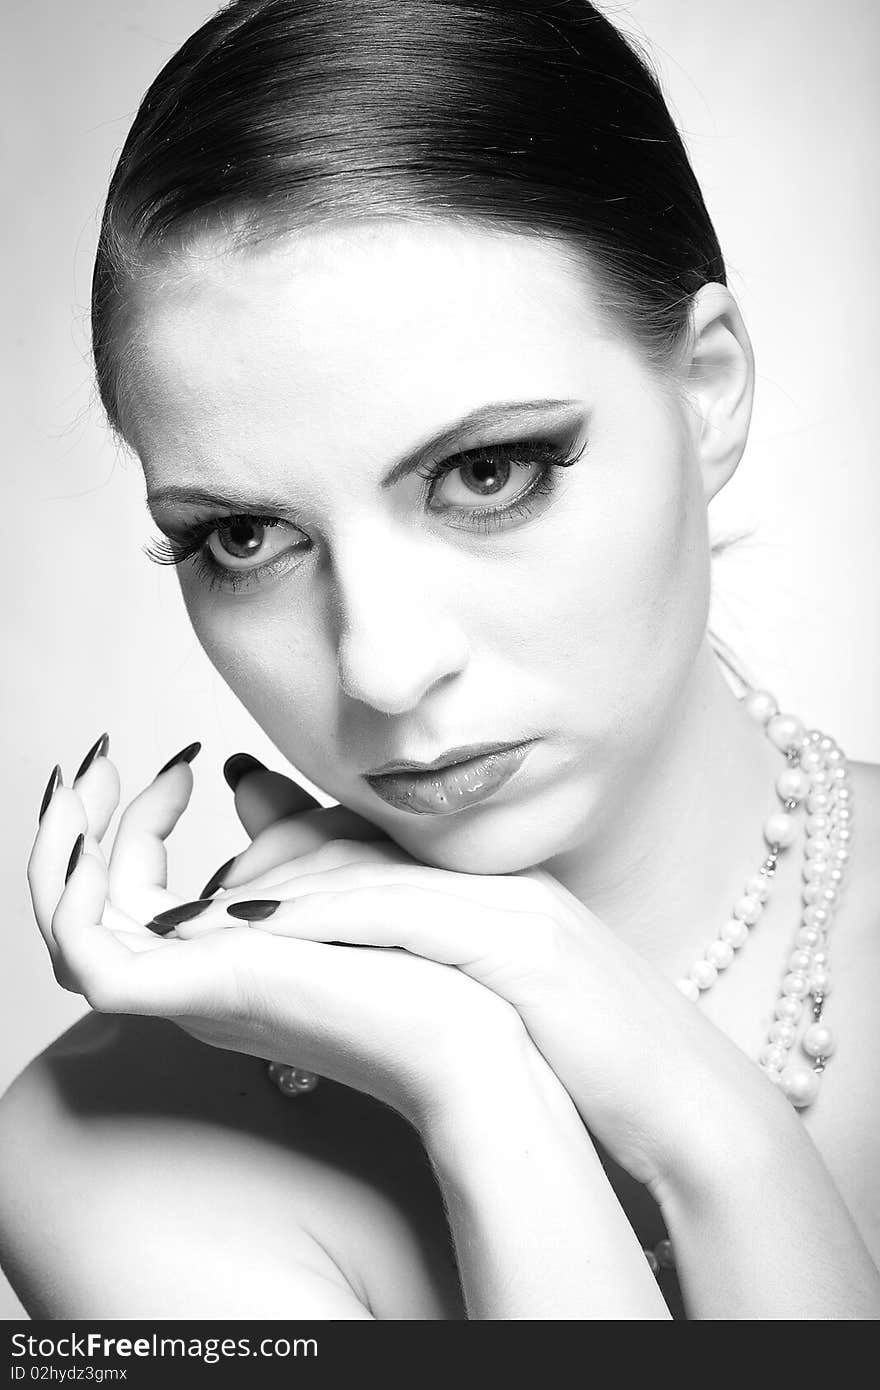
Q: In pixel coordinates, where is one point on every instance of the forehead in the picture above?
(360, 329)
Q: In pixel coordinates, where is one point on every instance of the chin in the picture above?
(464, 845)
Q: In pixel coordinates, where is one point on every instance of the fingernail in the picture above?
(238, 765)
(97, 750)
(74, 856)
(53, 782)
(185, 755)
(255, 911)
(184, 912)
(216, 879)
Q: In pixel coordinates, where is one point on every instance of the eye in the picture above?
(248, 538)
(486, 477)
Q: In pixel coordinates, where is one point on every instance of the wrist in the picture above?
(728, 1138)
(505, 1088)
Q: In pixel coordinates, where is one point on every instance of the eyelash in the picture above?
(191, 540)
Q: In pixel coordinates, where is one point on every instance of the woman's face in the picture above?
(385, 615)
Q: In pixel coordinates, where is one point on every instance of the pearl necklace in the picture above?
(816, 776)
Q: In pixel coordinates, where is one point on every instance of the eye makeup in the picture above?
(481, 468)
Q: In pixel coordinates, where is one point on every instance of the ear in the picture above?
(719, 376)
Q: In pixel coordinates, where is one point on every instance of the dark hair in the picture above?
(538, 117)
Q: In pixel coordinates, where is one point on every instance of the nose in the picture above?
(395, 641)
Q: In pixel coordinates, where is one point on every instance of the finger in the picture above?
(263, 796)
(138, 869)
(295, 836)
(98, 786)
(119, 972)
(280, 879)
(63, 820)
(436, 925)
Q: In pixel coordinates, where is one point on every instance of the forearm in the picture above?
(760, 1230)
(537, 1228)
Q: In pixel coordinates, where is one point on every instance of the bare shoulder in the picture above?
(845, 1121)
(144, 1174)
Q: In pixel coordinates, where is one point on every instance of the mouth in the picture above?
(461, 777)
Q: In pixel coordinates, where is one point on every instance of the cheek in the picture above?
(619, 595)
(281, 671)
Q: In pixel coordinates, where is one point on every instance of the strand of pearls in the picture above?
(817, 775)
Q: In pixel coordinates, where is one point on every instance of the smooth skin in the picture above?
(541, 919)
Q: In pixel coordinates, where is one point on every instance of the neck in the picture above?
(665, 869)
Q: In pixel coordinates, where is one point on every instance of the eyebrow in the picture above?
(497, 415)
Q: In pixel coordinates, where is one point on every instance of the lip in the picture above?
(443, 788)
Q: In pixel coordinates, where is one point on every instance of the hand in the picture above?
(386, 1022)
(643, 1065)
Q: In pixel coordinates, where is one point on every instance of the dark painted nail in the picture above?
(53, 782)
(97, 750)
(173, 916)
(238, 765)
(257, 910)
(74, 856)
(185, 755)
(216, 879)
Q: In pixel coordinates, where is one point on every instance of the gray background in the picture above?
(779, 107)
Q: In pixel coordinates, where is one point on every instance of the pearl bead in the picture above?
(736, 932)
(784, 1033)
(772, 1074)
(748, 909)
(818, 1041)
(842, 814)
(829, 895)
(820, 778)
(843, 836)
(720, 953)
(835, 875)
(780, 829)
(819, 801)
(818, 824)
(773, 1055)
(785, 731)
(305, 1081)
(811, 760)
(820, 957)
(809, 937)
(817, 847)
(821, 981)
(758, 886)
(789, 1009)
(826, 743)
(653, 1262)
(796, 985)
(814, 735)
(844, 796)
(275, 1070)
(800, 960)
(838, 774)
(815, 869)
(703, 973)
(663, 1251)
(688, 989)
(792, 784)
(816, 916)
(760, 705)
(287, 1084)
(810, 892)
(800, 1084)
(841, 855)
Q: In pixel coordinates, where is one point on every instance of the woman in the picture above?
(419, 327)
